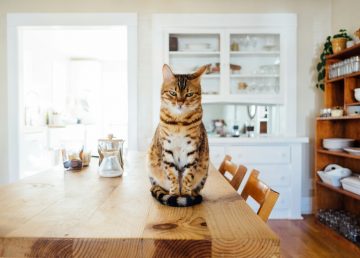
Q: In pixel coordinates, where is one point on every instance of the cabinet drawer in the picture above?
(260, 154)
(284, 198)
(217, 155)
(275, 175)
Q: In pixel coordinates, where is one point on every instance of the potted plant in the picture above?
(339, 41)
(330, 45)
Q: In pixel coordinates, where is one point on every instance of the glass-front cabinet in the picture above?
(242, 67)
(251, 65)
(255, 64)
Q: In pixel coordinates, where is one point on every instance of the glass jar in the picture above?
(110, 157)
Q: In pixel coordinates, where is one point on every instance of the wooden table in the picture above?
(82, 215)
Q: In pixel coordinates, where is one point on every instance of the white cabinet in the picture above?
(280, 166)
(253, 61)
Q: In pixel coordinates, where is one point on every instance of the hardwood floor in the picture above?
(308, 238)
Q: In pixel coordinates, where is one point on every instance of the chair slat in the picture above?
(261, 193)
(237, 172)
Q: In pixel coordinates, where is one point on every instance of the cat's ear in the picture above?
(200, 71)
(168, 75)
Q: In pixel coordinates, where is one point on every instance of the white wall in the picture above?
(315, 22)
(345, 15)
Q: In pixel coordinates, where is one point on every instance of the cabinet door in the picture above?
(187, 50)
(217, 154)
(255, 65)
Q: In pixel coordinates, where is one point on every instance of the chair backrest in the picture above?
(261, 193)
(237, 172)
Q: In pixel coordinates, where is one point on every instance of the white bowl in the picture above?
(337, 143)
(357, 95)
(353, 151)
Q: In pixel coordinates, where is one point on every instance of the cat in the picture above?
(178, 157)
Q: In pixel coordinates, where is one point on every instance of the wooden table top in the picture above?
(79, 214)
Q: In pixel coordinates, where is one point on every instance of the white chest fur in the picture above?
(180, 146)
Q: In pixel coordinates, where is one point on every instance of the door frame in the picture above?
(17, 20)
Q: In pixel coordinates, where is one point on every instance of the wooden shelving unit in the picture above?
(338, 92)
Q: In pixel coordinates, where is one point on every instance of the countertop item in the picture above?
(337, 144)
(78, 214)
(110, 157)
(351, 184)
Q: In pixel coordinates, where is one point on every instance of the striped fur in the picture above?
(178, 157)
(165, 198)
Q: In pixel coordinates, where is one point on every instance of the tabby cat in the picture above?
(178, 157)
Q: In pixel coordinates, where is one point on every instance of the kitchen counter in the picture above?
(263, 139)
(79, 214)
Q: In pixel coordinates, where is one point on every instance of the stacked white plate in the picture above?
(351, 184)
(337, 144)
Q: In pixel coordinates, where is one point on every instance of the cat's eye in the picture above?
(172, 93)
(190, 94)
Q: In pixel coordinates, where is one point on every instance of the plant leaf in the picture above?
(319, 66)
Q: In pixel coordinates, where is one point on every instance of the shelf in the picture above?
(338, 153)
(353, 117)
(339, 190)
(343, 77)
(353, 104)
(243, 98)
(254, 75)
(194, 53)
(270, 53)
(211, 76)
(348, 52)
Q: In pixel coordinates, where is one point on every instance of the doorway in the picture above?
(73, 85)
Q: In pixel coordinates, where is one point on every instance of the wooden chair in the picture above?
(261, 193)
(237, 172)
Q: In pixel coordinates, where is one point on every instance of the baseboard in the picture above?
(306, 205)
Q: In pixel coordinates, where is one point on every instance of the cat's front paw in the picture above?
(186, 191)
(174, 191)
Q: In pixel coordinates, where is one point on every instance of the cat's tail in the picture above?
(165, 198)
